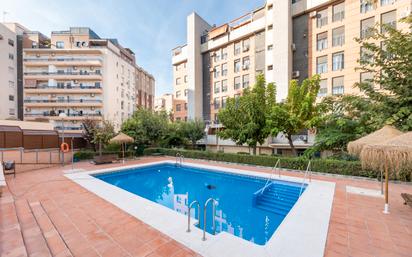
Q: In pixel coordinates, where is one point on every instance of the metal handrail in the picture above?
(179, 159)
(308, 170)
(204, 216)
(188, 215)
(271, 175)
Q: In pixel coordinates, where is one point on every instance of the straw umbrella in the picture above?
(383, 134)
(122, 139)
(394, 154)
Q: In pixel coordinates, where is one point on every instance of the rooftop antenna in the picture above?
(4, 16)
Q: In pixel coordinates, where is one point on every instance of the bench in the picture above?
(407, 198)
(104, 159)
(9, 168)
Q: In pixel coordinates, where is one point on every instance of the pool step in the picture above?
(277, 198)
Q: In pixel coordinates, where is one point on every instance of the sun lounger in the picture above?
(9, 168)
(407, 198)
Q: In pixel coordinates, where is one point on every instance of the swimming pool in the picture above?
(245, 208)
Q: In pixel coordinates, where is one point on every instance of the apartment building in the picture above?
(283, 40)
(164, 103)
(85, 77)
(8, 74)
(333, 52)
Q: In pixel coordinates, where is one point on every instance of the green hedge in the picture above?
(352, 168)
(89, 154)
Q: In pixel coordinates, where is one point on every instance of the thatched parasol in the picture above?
(122, 139)
(394, 154)
(383, 134)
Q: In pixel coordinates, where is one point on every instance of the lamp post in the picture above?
(62, 115)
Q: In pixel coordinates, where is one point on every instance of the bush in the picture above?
(352, 168)
(89, 154)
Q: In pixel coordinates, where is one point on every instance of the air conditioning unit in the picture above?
(212, 70)
(74, 67)
(37, 55)
(303, 138)
(75, 81)
(293, 47)
(213, 55)
(245, 48)
(295, 74)
(313, 14)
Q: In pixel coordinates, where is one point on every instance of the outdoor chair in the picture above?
(9, 167)
(407, 198)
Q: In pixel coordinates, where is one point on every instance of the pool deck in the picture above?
(50, 215)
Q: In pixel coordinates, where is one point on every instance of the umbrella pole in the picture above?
(123, 151)
(386, 209)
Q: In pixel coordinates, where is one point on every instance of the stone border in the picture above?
(303, 232)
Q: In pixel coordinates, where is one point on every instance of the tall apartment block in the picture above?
(8, 73)
(283, 40)
(84, 76)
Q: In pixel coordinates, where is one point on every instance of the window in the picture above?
(224, 85)
(322, 41)
(12, 111)
(11, 56)
(237, 48)
(245, 81)
(367, 27)
(323, 90)
(224, 69)
(388, 19)
(338, 12)
(366, 56)
(217, 56)
(387, 2)
(122, 105)
(11, 42)
(216, 102)
(11, 97)
(178, 81)
(270, 47)
(11, 69)
(246, 45)
(224, 99)
(178, 107)
(322, 64)
(186, 92)
(185, 79)
(216, 87)
(237, 66)
(185, 106)
(270, 67)
(216, 71)
(59, 44)
(178, 93)
(246, 63)
(337, 61)
(366, 77)
(366, 6)
(11, 84)
(322, 18)
(337, 86)
(224, 53)
(236, 83)
(338, 36)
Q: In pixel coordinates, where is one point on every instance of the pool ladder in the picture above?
(214, 203)
(179, 159)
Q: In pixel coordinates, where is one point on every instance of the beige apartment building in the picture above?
(85, 77)
(164, 103)
(8, 73)
(333, 27)
(282, 40)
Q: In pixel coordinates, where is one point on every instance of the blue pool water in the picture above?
(242, 210)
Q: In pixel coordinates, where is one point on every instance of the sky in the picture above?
(150, 28)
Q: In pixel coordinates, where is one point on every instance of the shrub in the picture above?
(352, 168)
(89, 154)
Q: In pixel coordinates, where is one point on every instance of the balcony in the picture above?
(72, 75)
(64, 61)
(53, 115)
(62, 103)
(45, 88)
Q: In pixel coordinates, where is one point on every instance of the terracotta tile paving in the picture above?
(52, 216)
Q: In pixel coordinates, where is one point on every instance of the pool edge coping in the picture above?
(280, 244)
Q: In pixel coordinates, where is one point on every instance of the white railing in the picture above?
(271, 176)
(308, 171)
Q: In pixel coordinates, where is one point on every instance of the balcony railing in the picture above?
(65, 87)
(62, 101)
(62, 59)
(68, 128)
(64, 73)
(320, 22)
(55, 114)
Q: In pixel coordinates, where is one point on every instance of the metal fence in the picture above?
(34, 156)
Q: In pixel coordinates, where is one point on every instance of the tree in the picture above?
(89, 131)
(387, 56)
(298, 112)
(103, 133)
(174, 136)
(146, 127)
(193, 130)
(244, 118)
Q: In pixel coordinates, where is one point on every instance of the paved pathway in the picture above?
(52, 216)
